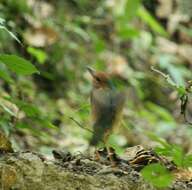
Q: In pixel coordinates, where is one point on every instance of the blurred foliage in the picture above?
(158, 175)
(123, 37)
(172, 151)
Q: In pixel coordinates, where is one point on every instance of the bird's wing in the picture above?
(106, 104)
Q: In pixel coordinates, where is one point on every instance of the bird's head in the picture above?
(100, 79)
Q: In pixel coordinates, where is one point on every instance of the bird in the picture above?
(107, 103)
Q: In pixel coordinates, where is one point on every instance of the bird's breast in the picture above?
(106, 103)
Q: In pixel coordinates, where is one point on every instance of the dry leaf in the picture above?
(8, 176)
(41, 36)
(167, 46)
(5, 144)
(165, 8)
(174, 20)
(185, 51)
(41, 9)
(116, 64)
(183, 174)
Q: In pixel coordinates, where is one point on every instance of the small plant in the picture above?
(16, 111)
(158, 174)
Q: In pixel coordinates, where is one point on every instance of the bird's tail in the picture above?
(98, 134)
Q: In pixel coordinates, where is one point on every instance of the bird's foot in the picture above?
(110, 155)
(106, 155)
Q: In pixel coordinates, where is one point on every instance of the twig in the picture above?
(166, 76)
(184, 102)
(81, 126)
(183, 98)
(160, 72)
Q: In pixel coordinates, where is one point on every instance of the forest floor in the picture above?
(31, 171)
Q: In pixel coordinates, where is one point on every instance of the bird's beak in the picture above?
(91, 71)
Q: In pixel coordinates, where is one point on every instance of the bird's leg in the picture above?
(109, 153)
(97, 155)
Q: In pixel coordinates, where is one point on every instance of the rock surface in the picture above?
(30, 171)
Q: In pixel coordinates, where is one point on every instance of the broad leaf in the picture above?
(151, 21)
(39, 54)
(30, 110)
(187, 161)
(131, 8)
(159, 140)
(18, 65)
(7, 109)
(158, 175)
(4, 74)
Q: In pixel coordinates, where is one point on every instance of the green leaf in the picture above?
(22, 125)
(4, 74)
(30, 110)
(151, 21)
(119, 8)
(177, 155)
(163, 151)
(181, 90)
(25, 126)
(187, 161)
(158, 175)
(126, 9)
(5, 125)
(78, 31)
(177, 72)
(131, 8)
(44, 122)
(99, 43)
(127, 32)
(40, 55)
(158, 139)
(161, 112)
(2, 21)
(174, 152)
(18, 65)
(6, 109)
